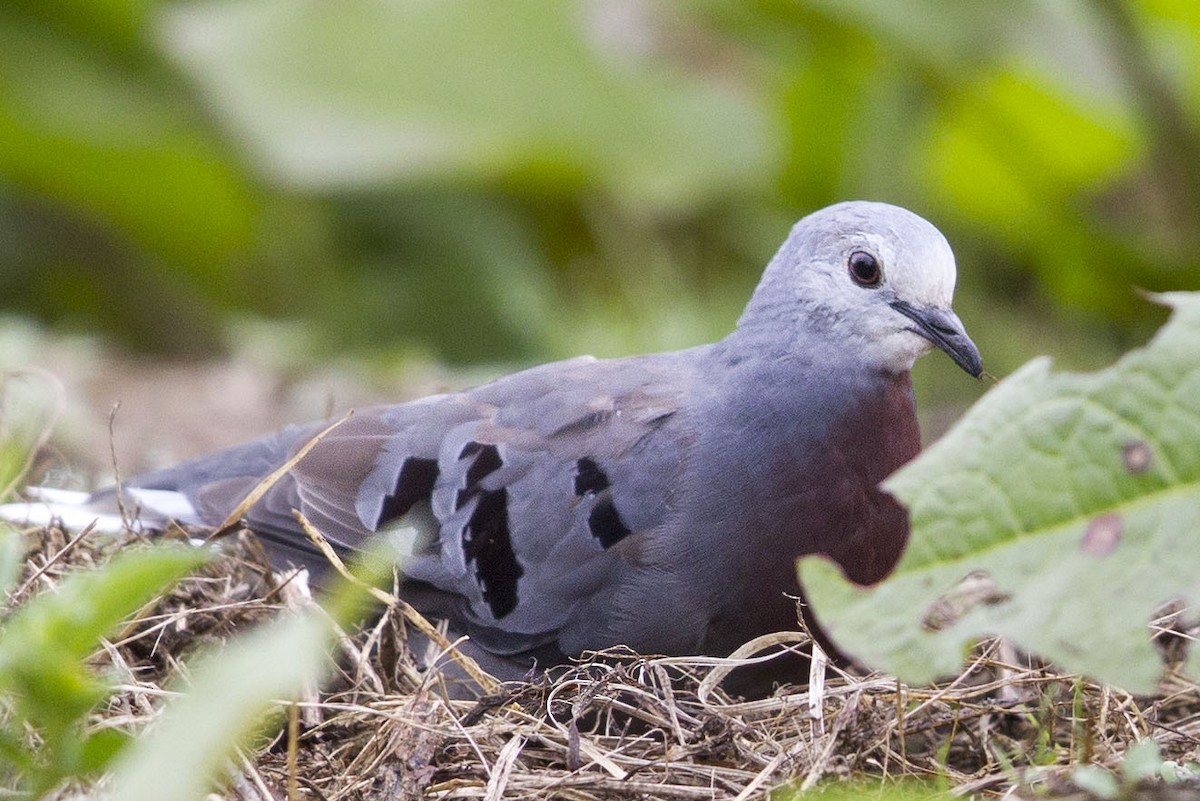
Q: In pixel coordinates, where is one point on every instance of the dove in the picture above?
(657, 502)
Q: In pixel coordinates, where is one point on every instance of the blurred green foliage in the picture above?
(859, 789)
(30, 404)
(47, 687)
(537, 178)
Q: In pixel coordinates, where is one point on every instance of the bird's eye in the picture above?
(864, 268)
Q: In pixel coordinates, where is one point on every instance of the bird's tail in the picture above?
(138, 509)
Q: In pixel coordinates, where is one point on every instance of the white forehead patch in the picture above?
(918, 263)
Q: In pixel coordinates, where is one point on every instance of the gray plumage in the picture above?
(658, 501)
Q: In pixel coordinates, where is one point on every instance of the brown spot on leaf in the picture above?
(975, 588)
(1137, 456)
(1103, 535)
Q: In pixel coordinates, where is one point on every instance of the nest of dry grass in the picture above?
(623, 726)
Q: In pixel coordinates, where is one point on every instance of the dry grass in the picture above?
(625, 726)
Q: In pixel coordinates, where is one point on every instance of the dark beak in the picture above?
(943, 328)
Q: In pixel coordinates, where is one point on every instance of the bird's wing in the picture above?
(521, 494)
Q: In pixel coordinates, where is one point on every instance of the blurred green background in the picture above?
(509, 181)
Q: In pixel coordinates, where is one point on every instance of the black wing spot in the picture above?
(487, 460)
(488, 543)
(417, 477)
(606, 524)
(589, 478)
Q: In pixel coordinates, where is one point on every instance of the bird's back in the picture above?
(520, 501)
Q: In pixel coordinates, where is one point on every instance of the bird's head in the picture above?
(871, 277)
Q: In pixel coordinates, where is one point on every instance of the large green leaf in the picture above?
(359, 93)
(1060, 512)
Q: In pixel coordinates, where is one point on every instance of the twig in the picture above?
(268, 481)
(41, 571)
(486, 682)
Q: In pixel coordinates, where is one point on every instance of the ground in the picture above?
(623, 727)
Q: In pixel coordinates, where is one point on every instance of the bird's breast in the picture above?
(793, 479)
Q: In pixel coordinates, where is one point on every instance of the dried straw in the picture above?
(621, 725)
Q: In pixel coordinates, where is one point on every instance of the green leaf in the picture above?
(944, 37)
(1142, 761)
(96, 753)
(230, 692)
(87, 605)
(997, 152)
(1021, 158)
(115, 139)
(47, 639)
(234, 688)
(1059, 513)
(12, 556)
(1097, 781)
(44, 677)
(30, 403)
(115, 25)
(865, 789)
(360, 93)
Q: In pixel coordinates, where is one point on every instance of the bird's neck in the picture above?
(785, 354)
(796, 393)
